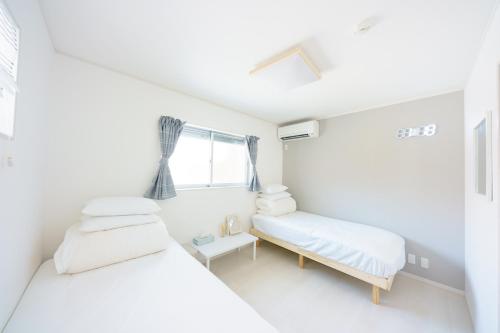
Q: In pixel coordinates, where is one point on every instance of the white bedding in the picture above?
(165, 292)
(83, 251)
(368, 249)
(276, 208)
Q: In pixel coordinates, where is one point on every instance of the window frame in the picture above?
(211, 184)
(486, 121)
(8, 81)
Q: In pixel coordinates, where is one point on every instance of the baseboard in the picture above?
(432, 283)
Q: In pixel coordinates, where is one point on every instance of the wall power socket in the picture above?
(7, 161)
(424, 262)
(411, 258)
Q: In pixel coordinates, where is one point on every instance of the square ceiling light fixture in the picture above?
(288, 70)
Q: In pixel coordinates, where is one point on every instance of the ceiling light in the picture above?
(288, 70)
(366, 25)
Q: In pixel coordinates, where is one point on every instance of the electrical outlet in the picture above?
(424, 262)
(7, 161)
(411, 258)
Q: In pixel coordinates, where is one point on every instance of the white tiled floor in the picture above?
(319, 299)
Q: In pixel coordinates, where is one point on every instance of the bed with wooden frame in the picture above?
(377, 282)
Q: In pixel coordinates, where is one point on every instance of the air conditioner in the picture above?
(308, 129)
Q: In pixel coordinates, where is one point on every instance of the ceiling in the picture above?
(206, 48)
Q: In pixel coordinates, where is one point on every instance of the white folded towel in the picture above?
(275, 196)
(99, 223)
(276, 207)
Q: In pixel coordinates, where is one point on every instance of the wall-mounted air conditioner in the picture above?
(305, 130)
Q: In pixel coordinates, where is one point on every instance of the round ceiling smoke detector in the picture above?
(365, 25)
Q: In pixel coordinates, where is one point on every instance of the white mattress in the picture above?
(166, 292)
(368, 249)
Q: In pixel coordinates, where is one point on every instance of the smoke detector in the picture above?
(365, 25)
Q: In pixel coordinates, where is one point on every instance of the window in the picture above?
(482, 157)
(206, 158)
(480, 149)
(9, 52)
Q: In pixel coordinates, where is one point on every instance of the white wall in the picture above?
(103, 140)
(357, 170)
(481, 215)
(21, 185)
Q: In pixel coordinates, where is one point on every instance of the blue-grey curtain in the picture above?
(251, 141)
(163, 185)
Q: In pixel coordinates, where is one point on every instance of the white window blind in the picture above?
(207, 158)
(9, 54)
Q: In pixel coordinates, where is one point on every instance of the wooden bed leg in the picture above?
(258, 242)
(301, 261)
(375, 295)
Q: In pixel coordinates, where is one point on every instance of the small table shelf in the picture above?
(226, 244)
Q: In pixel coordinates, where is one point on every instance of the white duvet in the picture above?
(368, 249)
(165, 292)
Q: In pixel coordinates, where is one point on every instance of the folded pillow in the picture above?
(278, 208)
(275, 196)
(100, 223)
(273, 188)
(83, 251)
(112, 206)
(262, 203)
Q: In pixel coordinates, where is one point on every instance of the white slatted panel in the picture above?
(9, 42)
(9, 52)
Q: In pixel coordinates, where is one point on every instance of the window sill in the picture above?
(210, 187)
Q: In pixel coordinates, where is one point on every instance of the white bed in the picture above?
(368, 249)
(165, 292)
(368, 253)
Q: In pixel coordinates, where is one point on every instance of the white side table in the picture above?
(226, 244)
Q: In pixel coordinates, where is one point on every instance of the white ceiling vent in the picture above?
(288, 70)
(305, 130)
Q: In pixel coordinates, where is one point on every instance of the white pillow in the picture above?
(83, 251)
(100, 223)
(275, 196)
(112, 206)
(273, 188)
(278, 208)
